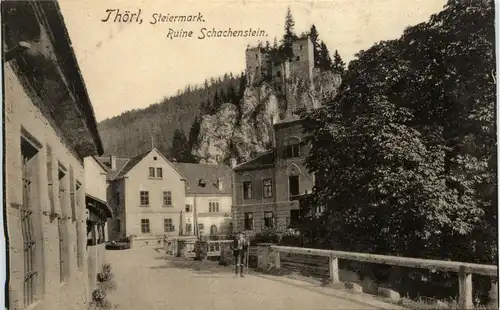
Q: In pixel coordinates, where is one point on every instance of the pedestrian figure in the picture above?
(240, 245)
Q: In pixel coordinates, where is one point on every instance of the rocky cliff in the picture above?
(246, 131)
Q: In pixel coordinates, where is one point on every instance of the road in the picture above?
(146, 280)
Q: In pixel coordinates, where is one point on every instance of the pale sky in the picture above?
(131, 66)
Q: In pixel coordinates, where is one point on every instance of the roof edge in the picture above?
(88, 110)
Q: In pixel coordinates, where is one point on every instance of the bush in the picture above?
(100, 305)
(98, 295)
(280, 235)
(105, 278)
(106, 268)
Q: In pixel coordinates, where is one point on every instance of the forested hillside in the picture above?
(132, 132)
(174, 123)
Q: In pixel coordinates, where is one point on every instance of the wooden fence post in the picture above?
(465, 289)
(334, 269)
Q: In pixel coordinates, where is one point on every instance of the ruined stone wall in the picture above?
(254, 62)
(303, 58)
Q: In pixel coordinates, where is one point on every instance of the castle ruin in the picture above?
(272, 66)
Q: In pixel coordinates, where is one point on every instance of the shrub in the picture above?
(103, 277)
(106, 268)
(98, 295)
(109, 285)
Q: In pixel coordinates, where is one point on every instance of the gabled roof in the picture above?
(103, 167)
(124, 165)
(208, 174)
(132, 162)
(120, 163)
(263, 161)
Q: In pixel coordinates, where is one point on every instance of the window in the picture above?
(248, 221)
(168, 226)
(144, 198)
(78, 224)
(72, 193)
(151, 172)
(268, 219)
(297, 58)
(28, 153)
(292, 150)
(201, 227)
(63, 260)
(213, 206)
(188, 228)
(213, 230)
(293, 186)
(145, 226)
(301, 46)
(319, 180)
(188, 208)
(117, 198)
(219, 184)
(167, 198)
(278, 74)
(256, 56)
(50, 179)
(268, 188)
(247, 190)
(159, 173)
(294, 217)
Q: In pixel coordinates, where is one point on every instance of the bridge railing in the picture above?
(269, 255)
(215, 247)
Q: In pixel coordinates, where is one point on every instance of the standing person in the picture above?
(238, 253)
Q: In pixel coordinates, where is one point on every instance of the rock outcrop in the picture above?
(248, 130)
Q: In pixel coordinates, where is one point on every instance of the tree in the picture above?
(314, 36)
(325, 61)
(194, 133)
(180, 149)
(267, 48)
(338, 65)
(407, 149)
(275, 44)
(289, 35)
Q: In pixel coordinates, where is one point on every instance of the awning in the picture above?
(98, 206)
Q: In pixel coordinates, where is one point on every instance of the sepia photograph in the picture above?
(249, 155)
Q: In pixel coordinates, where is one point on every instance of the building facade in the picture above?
(49, 129)
(267, 187)
(147, 195)
(208, 199)
(97, 214)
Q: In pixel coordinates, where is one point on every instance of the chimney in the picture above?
(233, 163)
(112, 162)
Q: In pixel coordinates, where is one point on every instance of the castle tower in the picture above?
(254, 60)
(302, 64)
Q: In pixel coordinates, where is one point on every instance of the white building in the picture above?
(208, 199)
